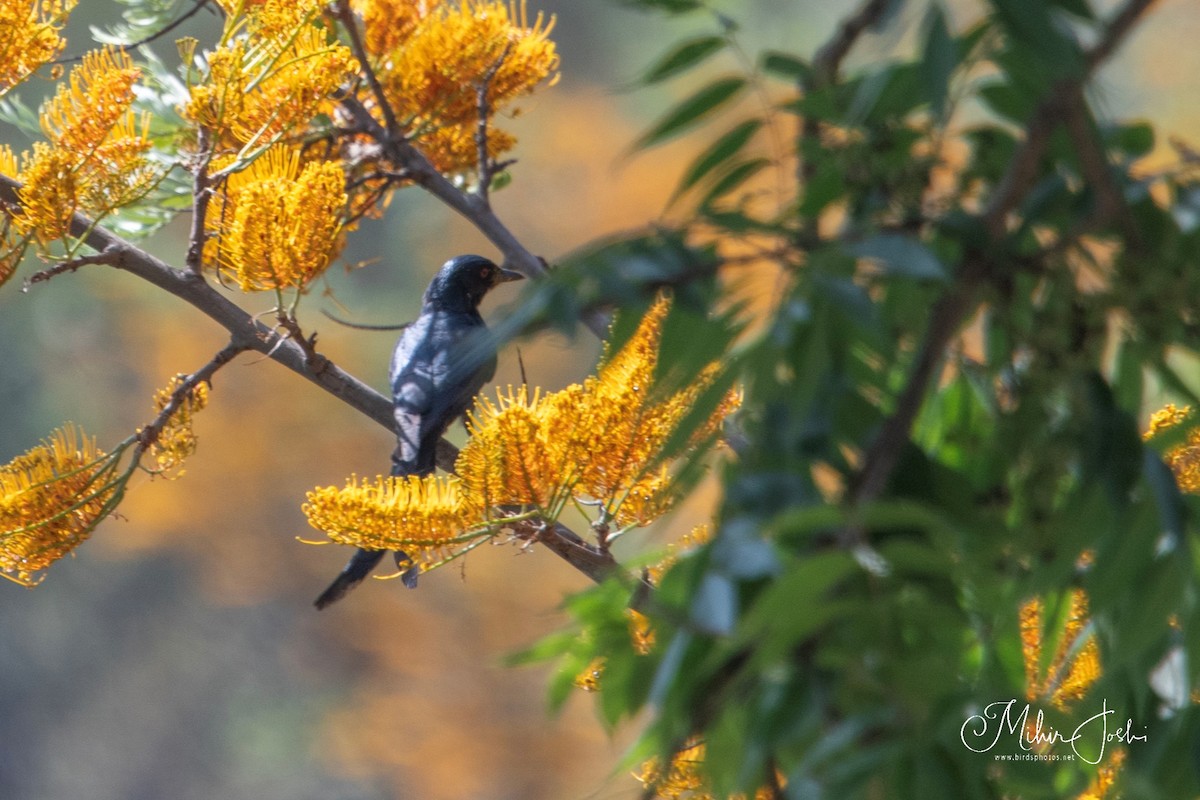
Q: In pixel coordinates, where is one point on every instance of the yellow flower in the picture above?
(589, 679)
(387, 23)
(275, 80)
(30, 37)
(598, 440)
(51, 498)
(279, 224)
(88, 105)
(506, 461)
(1184, 460)
(433, 62)
(420, 515)
(49, 193)
(95, 159)
(176, 441)
(1063, 682)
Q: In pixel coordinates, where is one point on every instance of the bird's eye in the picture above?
(485, 272)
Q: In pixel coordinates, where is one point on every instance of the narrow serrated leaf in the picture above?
(682, 57)
(717, 153)
(939, 60)
(784, 65)
(733, 178)
(692, 110)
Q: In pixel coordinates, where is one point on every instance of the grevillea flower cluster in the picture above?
(599, 442)
(94, 158)
(31, 37)
(51, 498)
(278, 223)
(433, 59)
(277, 68)
(176, 439)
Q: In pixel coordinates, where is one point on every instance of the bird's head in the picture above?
(464, 280)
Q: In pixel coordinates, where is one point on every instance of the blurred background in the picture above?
(178, 654)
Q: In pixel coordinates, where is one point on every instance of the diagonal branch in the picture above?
(960, 300)
(148, 435)
(247, 334)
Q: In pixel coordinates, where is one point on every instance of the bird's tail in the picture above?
(354, 573)
(363, 562)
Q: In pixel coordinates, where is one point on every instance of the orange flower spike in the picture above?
(51, 498)
(87, 106)
(420, 515)
(1184, 460)
(279, 223)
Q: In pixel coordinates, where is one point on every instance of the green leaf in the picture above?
(900, 255)
(1040, 40)
(734, 177)
(784, 65)
(1079, 8)
(720, 151)
(1135, 139)
(682, 57)
(692, 110)
(939, 60)
(669, 6)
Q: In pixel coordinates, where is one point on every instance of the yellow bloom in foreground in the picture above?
(683, 779)
(176, 441)
(279, 224)
(598, 440)
(49, 193)
(30, 37)
(1063, 682)
(1184, 460)
(420, 515)
(51, 498)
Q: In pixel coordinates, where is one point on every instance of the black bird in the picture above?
(440, 363)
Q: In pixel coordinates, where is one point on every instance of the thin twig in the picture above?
(108, 256)
(201, 196)
(828, 59)
(340, 10)
(191, 12)
(824, 72)
(483, 107)
(148, 435)
(421, 172)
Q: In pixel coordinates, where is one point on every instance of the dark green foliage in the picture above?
(838, 633)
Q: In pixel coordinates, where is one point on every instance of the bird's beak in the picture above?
(506, 275)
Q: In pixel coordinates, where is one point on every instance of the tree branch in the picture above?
(826, 64)
(486, 166)
(246, 333)
(959, 301)
(420, 171)
(148, 435)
